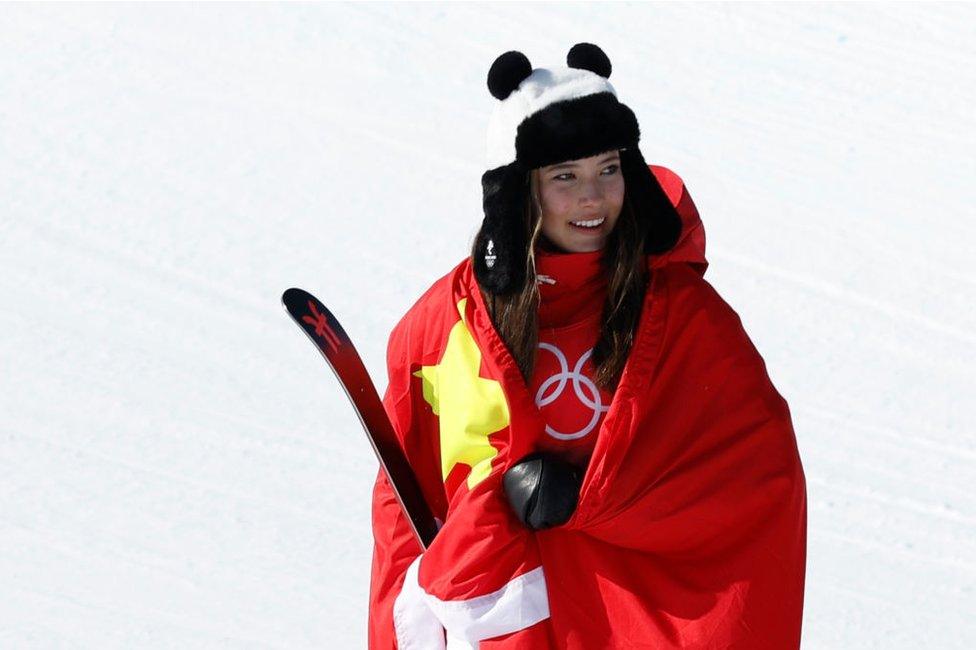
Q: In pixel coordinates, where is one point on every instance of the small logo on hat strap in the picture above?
(490, 256)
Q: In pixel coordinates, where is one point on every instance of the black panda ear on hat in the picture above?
(587, 56)
(507, 72)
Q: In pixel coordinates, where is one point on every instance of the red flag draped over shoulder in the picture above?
(691, 526)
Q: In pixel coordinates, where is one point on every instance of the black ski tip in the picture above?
(293, 294)
(296, 300)
(309, 313)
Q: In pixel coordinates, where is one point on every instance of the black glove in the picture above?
(542, 490)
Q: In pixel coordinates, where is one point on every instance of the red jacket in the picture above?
(572, 290)
(691, 526)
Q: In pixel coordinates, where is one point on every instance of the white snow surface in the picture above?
(178, 466)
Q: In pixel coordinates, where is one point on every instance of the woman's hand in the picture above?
(543, 490)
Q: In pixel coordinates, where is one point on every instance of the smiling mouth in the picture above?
(589, 224)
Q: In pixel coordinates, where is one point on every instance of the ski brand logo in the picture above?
(321, 325)
(579, 380)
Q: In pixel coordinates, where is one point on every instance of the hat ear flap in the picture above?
(657, 219)
(501, 246)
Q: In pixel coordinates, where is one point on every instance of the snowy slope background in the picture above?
(178, 466)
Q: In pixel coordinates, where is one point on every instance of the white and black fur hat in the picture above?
(546, 116)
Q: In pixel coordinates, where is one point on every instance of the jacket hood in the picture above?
(690, 247)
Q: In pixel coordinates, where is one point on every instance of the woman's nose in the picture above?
(591, 193)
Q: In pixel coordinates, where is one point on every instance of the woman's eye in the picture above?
(609, 170)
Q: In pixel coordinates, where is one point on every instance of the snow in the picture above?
(180, 468)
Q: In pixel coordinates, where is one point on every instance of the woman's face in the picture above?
(587, 191)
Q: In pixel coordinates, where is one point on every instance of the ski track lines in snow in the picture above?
(831, 291)
(98, 516)
(181, 468)
(72, 312)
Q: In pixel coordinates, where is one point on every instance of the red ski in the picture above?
(331, 340)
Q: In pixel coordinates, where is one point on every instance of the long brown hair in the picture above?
(516, 316)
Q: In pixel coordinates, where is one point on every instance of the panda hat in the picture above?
(551, 115)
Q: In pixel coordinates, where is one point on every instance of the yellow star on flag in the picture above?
(470, 407)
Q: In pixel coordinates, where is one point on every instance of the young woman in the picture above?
(588, 419)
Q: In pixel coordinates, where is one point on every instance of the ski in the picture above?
(328, 336)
